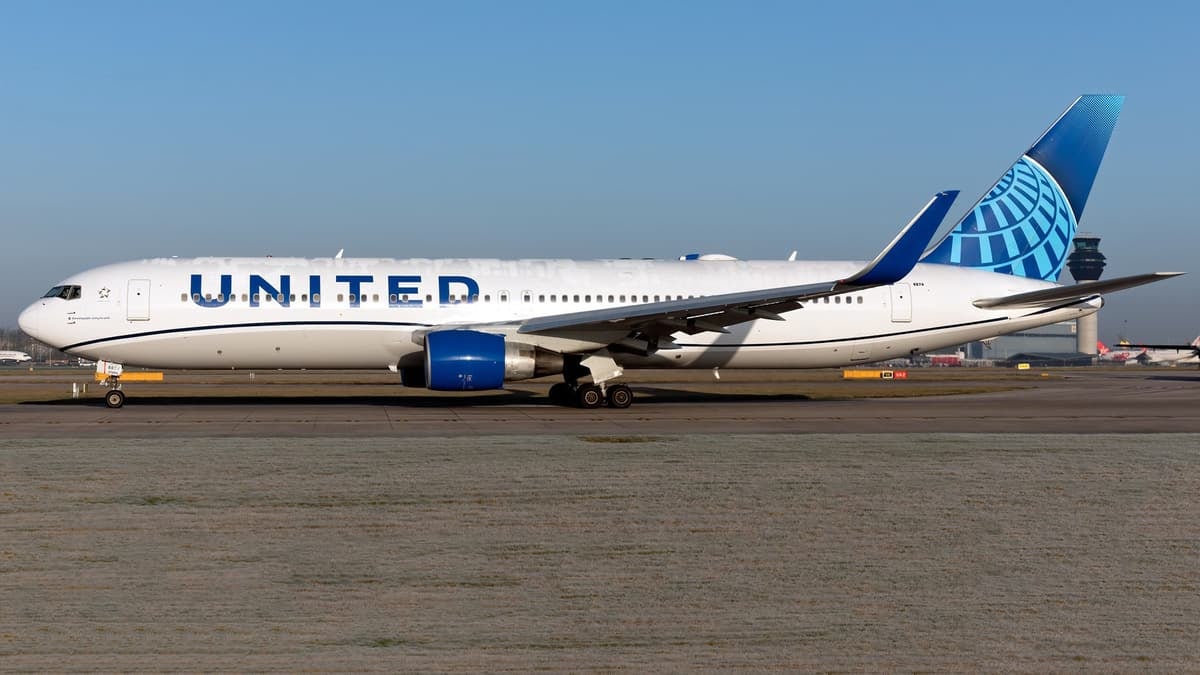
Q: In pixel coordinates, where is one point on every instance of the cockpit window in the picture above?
(65, 292)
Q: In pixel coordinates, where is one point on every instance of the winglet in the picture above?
(897, 260)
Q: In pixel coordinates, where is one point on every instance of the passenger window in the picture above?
(525, 296)
(656, 298)
(183, 297)
(587, 298)
(195, 297)
(541, 298)
(304, 297)
(553, 298)
(487, 297)
(341, 297)
(317, 298)
(576, 298)
(429, 298)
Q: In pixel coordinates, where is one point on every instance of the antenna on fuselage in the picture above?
(339, 254)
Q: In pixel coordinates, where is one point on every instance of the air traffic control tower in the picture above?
(1086, 263)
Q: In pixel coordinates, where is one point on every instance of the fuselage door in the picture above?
(137, 300)
(901, 303)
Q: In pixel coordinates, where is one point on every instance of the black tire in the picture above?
(620, 396)
(589, 396)
(115, 398)
(562, 394)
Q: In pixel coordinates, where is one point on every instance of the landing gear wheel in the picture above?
(115, 398)
(589, 396)
(562, 394)
(620, 396)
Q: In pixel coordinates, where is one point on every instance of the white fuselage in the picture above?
(362, 313)
(14, 356)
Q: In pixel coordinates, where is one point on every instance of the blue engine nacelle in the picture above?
(468, 360)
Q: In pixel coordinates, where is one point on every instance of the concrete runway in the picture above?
(1081, 401)
(709, 526)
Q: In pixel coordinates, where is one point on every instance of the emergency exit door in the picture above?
(137, 300)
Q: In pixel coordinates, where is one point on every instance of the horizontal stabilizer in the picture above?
(1060, 294)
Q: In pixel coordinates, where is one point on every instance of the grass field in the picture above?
(815, 553)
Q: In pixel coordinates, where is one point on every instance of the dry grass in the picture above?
(813, 553)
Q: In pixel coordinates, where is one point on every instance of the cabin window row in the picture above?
(502, 297)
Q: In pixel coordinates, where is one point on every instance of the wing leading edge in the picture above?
(715, 312)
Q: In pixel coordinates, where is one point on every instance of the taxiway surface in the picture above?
(1076, 402)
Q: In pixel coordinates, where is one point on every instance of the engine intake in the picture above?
(468, 360)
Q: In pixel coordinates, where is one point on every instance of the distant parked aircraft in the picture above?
(18, 357)
(1146, 354)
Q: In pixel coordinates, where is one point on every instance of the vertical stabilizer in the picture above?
(1024, 225)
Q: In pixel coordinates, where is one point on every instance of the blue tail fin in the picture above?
(1024, 225)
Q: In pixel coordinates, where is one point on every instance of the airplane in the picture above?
(14, 356)
(1169, 355)
(476, 324)
(1121, 354)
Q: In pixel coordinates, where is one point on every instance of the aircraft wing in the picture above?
(715, 312)
(1077, 292)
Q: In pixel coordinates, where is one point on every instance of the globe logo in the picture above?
(1023, 226)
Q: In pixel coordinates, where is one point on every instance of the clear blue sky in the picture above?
(571, 129)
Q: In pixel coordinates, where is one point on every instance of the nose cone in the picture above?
(30, 321)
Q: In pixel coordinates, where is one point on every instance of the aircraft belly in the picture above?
(292, 347)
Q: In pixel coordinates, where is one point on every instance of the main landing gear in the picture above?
(590, 396)
(601, 369)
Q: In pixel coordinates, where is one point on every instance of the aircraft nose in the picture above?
(30, 321)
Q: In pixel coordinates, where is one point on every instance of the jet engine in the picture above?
(467, 360)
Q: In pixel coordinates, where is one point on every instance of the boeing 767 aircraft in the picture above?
(474, 324)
